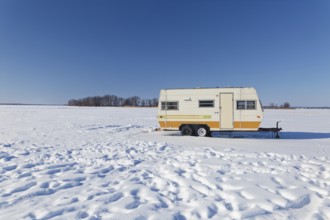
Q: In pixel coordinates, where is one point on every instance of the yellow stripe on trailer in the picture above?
(184, 116)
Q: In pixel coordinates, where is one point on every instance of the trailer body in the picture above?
(202, 110)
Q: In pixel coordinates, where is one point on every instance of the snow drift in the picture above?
(108, 163)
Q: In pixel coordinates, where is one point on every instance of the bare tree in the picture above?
(286, 105)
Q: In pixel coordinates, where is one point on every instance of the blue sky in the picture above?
(52, 51)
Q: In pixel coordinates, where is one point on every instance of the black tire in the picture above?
(187, 130)
(203, 131)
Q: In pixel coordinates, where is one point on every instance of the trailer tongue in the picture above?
(275, 131)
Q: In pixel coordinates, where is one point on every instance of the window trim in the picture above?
(164, 106)
(255, 105)
(208, 100)
(238, 105)
(246, 105)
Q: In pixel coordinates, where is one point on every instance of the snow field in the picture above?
(98, 163)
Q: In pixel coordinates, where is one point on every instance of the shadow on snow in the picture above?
(286, 135)
(304, 135)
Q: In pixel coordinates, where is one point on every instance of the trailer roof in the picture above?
(228, 87)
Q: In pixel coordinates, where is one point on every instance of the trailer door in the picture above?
(226, 111)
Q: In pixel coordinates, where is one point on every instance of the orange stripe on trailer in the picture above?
(177, 124)
(212, 124)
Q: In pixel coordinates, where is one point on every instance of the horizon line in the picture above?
(293, 107)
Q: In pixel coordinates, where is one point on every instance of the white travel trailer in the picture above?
(202, 110)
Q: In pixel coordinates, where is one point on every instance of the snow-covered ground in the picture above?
(108, 163)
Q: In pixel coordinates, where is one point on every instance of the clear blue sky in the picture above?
(55, 50)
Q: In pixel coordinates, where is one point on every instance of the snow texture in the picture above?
(109, 163)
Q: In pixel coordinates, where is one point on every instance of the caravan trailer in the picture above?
(200, 111)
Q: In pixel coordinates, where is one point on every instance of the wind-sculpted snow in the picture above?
(83, 164)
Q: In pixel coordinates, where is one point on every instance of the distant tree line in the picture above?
(285, 105)
(112, 100)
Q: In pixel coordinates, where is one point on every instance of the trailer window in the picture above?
(250, 104)
(206, 103)
(170, 105)
(240, 104)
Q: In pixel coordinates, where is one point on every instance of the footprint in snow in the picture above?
(114, 198)
(20, 189)
(9, 168)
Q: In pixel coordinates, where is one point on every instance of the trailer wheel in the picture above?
(186, 131)
(203, 131)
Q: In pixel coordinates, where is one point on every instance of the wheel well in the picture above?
(194, 126)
